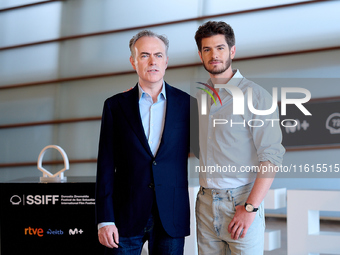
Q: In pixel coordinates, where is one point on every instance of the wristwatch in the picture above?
(250, 207)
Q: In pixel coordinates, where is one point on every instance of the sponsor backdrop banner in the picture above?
(322, 129)
(48, 218)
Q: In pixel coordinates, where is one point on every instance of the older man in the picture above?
(142, 186)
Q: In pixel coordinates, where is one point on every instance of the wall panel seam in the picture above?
(49, 122)
(53, 162)
(92, 160)
(103, 75)
(98, 118)
(28, 5)
(72, 37)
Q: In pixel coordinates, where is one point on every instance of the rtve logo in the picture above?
(238, 99)
(34, 231)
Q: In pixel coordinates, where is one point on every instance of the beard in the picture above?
(221, 69)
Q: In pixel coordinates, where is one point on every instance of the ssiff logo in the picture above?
(34, 199)
(238, 99)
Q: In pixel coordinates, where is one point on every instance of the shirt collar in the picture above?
(235, 80)
(142, 93)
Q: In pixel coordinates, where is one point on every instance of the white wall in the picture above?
(264, 32)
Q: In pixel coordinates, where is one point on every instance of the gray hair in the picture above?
(150, 34)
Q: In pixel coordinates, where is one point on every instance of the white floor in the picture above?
(280, 223)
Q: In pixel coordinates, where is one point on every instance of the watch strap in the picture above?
(254, 209)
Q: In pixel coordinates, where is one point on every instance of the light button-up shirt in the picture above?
(153, 116)
(229, 148)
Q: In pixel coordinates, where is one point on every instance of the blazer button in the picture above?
(151, 185)
(154, 163)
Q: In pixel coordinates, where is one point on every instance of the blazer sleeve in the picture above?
(105, 167)
(194, 127)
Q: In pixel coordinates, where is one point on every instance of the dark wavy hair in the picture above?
(211, 28)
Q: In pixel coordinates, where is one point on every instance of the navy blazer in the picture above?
(129, 177)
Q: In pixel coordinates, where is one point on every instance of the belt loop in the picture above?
(230, 195)
(202, 190)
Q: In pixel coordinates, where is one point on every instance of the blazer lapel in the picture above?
(173, 107)
(130, 106)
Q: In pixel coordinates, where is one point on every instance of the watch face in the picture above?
(249, 208)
